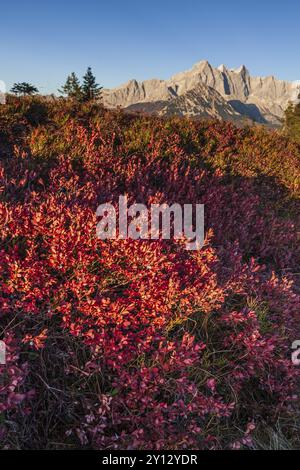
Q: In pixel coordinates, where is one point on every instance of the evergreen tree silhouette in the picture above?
(24, 89)
(72, 87)
(90, 89)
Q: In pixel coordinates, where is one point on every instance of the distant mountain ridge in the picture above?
(206, 91)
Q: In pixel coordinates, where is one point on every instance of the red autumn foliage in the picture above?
(142, 344)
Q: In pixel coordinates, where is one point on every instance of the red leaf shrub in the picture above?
(142, 344)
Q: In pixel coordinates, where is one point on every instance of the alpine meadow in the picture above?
(129, 339)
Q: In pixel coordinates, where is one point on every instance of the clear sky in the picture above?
(43, 41)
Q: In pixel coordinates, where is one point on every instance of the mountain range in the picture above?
(207, 91)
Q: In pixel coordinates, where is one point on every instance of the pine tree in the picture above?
(292, 121)
(72, 87)
(24, 89)
(90, 89)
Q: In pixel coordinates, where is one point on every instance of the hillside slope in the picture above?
(142, 344)
(199, 102)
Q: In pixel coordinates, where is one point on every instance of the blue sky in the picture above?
(42, 42)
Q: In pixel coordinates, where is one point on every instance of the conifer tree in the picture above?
(24, 89)
(292, 121)
(90, 89)
(72, 87)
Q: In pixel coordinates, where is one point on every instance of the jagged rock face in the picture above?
(208, 91)
(235, 84)
(137, 92)
(200, 101)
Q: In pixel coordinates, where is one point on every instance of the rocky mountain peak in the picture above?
(222, 68)
(261, 99)
(242, 70)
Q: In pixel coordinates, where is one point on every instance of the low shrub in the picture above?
(142, 344)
